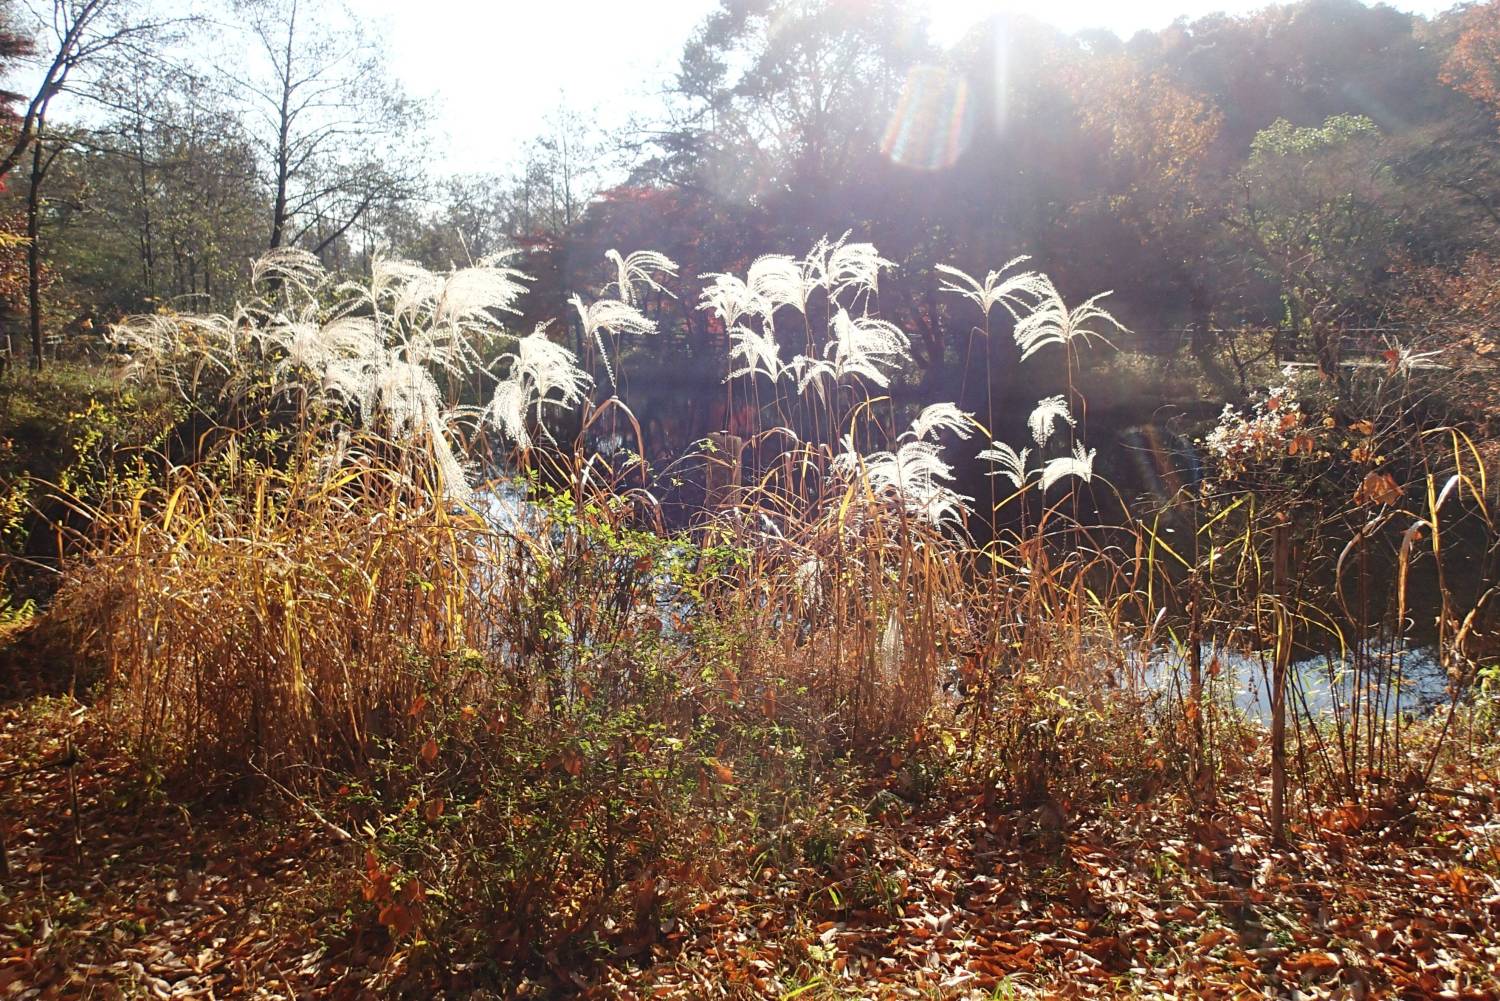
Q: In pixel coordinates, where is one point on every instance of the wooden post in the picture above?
(1202, 773)
(72, 763)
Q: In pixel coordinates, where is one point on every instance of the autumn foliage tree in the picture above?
(1153, 140)
(1455, 311)
(1473, 67)
(14, 46)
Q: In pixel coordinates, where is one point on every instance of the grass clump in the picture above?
(556, 739)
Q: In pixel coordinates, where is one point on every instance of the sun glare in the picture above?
(950, 20)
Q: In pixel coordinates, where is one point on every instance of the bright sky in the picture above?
(496, 67)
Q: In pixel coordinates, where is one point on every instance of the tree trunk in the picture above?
(279, 211)
(1200, 342)
(143, 177)
(34, 251)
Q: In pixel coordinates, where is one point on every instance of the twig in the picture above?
(329, 825)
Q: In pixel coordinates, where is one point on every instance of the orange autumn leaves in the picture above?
(399, 903)
(1378, 488)
(1277, 427)
(1473, 67)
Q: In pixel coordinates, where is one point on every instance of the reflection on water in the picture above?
(1411, 682)
(503, 504)
(505, 507)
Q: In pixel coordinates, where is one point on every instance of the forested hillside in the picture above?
(1254, 187)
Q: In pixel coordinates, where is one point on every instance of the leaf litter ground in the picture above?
(950, 898)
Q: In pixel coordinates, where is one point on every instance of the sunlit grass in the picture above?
(540, 716)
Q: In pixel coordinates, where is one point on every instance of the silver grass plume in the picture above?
(758, 352)
(1051, 322)
(440, 317)
(914, 473)
(453, 473)
(942, 416)
(306, 344)
(507, 410)
(290, 266)
(399, 283)
(1015, 292)
(147, 341)
(1044, 418)
(808, 576)
(354, 382)
(550, 368)
(891, 649)
(610, 316)
(406, 397)
(639, 267)
(540, 373)
(841, 266)
(1079, 464)
(781, 280)
(848, 462)
(1405, 359)
(861, 344)
(375, 348)
(468, 295)
(731, 299)
(403, 400)
(179, 347)
(811, 372)
(1011, 464)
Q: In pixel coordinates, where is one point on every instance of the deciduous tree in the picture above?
(335, 131)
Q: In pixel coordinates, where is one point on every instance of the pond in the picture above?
(1412, 681)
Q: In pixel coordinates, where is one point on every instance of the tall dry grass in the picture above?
(290, 614)
(548, 721)
(268, 617)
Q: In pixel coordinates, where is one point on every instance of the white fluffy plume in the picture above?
(539, 374)
(942, 416)
(1016, 292)
(782, 280)
(1044, 418)
(731, 300)
(914, 473)
(1008, 462)
(862, 344)
(845, 267)
(1051, 322)
(613, 317)
(1079, 464)
(755, 352)
(639, 267)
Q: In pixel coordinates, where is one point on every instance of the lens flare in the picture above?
(933, 122)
